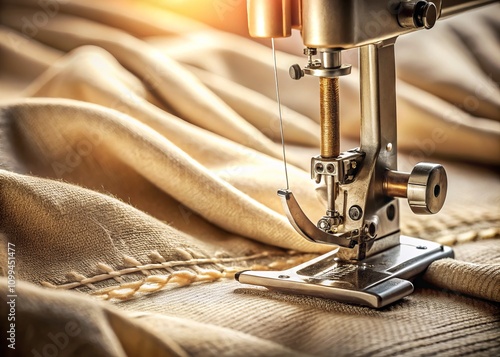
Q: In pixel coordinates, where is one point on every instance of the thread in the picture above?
(329, 117)
(276, 82)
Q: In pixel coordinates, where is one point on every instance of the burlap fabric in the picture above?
(139, 162)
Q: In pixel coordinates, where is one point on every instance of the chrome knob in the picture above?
(296, 72)
(427, 186)
(426, 15)
(415, 14)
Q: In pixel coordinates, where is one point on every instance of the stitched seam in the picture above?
(181, 278)
(193, 263)
(469, 236)
(459, 220)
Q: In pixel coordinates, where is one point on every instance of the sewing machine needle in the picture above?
(279, 113)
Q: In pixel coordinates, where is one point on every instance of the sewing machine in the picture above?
(374, 262)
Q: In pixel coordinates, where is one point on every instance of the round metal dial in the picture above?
(427, 188)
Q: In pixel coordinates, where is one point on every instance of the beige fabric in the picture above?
(139, 163)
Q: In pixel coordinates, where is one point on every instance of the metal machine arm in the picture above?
(363, 184)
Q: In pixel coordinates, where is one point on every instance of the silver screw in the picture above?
(355, 212)
(323, 225)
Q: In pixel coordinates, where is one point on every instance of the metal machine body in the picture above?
(373, 260)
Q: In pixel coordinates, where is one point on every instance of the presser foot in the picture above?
(375, 281)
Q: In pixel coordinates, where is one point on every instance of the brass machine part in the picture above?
(329, 116)
(396, 183)
(273, 19)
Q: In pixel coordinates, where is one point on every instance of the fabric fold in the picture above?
(95, 137)
(165, 77)
(480, 280)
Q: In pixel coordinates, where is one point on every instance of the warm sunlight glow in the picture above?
(229, 15)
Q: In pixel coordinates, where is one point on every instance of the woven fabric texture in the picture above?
(139, 161)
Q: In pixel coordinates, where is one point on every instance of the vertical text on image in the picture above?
(11, 295)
